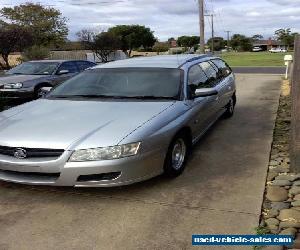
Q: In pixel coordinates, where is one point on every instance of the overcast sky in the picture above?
(173, 18)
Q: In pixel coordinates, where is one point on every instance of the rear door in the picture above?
(226, 85)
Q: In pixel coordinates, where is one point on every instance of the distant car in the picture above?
(25, 81)
(257, 49)
(277, 50)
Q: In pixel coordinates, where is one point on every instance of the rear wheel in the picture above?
(176, 156)
(230, 108)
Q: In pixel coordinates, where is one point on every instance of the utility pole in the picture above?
(201, 25)
(212, 32)
(228, 38)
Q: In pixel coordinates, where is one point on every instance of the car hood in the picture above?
(65, 124)
(17, 78)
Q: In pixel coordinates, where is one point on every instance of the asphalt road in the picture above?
(259, 70)
(220, 192)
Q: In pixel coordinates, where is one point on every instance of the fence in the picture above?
(295, 122)
(68, 55)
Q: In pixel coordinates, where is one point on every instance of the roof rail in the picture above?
(193, 59)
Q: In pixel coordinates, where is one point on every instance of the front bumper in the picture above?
(16, 96)
(60, 172)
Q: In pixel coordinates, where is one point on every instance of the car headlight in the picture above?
(17, 85)
(107, 153)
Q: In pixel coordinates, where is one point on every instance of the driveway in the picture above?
(220, 192)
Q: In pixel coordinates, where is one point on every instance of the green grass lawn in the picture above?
(254, 58)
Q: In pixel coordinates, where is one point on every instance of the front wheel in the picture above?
(176, 156)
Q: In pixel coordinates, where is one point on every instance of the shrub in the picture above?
(35, 53)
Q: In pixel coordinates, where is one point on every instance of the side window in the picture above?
(224, 69)
(196, 77)
(70, 66)
(210, 72)
(82, 65)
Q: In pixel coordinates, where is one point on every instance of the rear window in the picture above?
(82, 65)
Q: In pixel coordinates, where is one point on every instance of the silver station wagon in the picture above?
(116, 124)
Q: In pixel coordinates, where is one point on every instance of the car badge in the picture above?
(20, 153)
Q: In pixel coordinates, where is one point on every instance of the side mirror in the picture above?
(63, 72)
(204, 92)
(44, 91)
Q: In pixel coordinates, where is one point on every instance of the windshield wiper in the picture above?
(153, 97)
(81, 96)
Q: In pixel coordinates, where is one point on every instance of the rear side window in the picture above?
(82, 65)
(70, 66)
(224, 69)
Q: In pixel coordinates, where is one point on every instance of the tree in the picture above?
(161, 47)
(241, 43)
(133, 37)
(46, 23)
(188, 41)
(104, 44)
(219, 43)
(13, 38)
(257, 37)
(285, 36)
(86, 37)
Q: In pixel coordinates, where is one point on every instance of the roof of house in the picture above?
(163, 61)
(266, 42)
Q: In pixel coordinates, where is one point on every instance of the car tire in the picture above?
(38, 90)
(230, 108)
(177, 155)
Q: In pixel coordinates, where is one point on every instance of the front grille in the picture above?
(29, 176)
(99, 177)
(32, 152)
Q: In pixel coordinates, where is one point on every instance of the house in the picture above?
(268, 44)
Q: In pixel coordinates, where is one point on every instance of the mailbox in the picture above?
(287, 61)
(288, 58)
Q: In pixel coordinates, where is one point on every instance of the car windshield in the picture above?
(34, 68)
(146, 83)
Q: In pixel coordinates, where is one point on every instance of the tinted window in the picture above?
(224, 69)
(34, 68)
(123, 83)
(210, 72)
(82, 65)
(70, 66)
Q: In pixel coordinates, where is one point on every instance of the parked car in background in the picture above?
(257, 49)
(118, 123)
(24, 82)
(278, 50)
